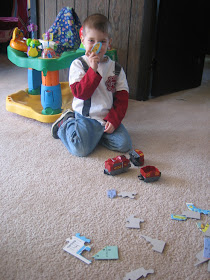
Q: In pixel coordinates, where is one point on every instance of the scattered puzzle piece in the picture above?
(206, 232)
(192, 214)
(178, 217)
(111, 193)
(108, 253)
(158, 245)
(76, 246)
(200, 258)
(133, 222)
(206, 250)
(128, 194)
(191, 207)
(138, 273)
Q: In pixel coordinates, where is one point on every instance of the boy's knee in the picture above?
(125, 146)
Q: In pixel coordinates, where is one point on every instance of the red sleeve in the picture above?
(117, 112)
(86, 87)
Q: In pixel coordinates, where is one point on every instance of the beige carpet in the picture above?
(48, 195)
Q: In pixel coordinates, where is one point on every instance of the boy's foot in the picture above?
(66, 115)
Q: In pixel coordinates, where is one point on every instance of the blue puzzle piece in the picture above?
(206, 251)
(82, 238)
(111, 193)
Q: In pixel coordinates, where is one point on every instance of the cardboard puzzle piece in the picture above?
(128, 194)
(76, 246)
(158, 245)
(138, 273)
(191, 207)
(133, 222)
(200, 258)
(111, 193)
(206, 232)
(107, 253)
(192, 214)
(178, 217)
(206, 250)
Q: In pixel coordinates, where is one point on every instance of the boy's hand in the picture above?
(109, 128)
(93, 60)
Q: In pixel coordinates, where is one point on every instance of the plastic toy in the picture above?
(76, 246)
(108, 253)
(96, 48)
(133, 222)
(178, 217)
(117, 165)
(158, 245)
(149, 174)
(191, 207)
(137, 157)
(18, 42)
(111, 193)
(137, 274)
(128, 194)
(33, 50)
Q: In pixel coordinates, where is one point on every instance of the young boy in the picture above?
(100, 101)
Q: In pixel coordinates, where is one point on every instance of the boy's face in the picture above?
(93, 36)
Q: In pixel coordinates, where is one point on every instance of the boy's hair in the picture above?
(98, 22)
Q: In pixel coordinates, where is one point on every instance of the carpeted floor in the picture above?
(48, 195)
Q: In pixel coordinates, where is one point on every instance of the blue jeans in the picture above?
(81, 135)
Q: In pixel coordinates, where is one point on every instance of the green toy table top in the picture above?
(51, 64)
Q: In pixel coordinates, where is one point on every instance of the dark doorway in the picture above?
(180, 35)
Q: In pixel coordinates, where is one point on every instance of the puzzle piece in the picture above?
(138, 273)
(200, 258)
(133, 222)
(206, 250)
(108, 253)
(158, 245)
(191, 207)
(128, 194)
(96, 48)
(111, 193)
(178, 217)
(192, 214)
(76, 246)
(206, 232)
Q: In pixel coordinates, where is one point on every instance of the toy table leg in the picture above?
(34, 81)
(51, 98)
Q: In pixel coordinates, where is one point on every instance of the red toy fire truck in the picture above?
(117, 165)
(149, 174)
(137, 157)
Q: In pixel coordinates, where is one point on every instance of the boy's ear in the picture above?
(82, 39)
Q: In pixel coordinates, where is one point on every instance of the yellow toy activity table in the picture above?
(45, 98)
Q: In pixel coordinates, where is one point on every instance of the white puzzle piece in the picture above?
(128, 194)
(76, 246)
(158, 245)
(138, 273)
(200, 258)
(192, 214)
(133, 222)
